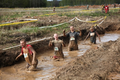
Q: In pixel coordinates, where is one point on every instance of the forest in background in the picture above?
(45, 3)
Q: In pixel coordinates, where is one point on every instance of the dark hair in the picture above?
(23, 40)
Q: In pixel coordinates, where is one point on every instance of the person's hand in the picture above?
(64, 31)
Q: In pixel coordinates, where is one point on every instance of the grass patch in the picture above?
(30, 30)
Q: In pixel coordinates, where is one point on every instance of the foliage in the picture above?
(23, 3)
(85, 2)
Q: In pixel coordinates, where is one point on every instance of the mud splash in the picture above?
(46, 66)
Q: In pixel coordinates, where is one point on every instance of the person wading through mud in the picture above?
(29, 55)
(57, 44)
(73, 38)
(93, 33)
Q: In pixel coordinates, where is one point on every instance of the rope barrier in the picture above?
(55, 26)
(91, 21)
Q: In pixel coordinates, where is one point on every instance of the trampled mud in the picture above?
(47, 67)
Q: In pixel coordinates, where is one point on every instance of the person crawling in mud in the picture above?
(73, 38)
(57, 44)
(29, 55)
(93, 33)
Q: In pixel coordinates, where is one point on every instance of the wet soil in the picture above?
(96, 64)
(7, 40)
(65, 68)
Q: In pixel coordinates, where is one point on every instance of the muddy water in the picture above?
(46, 66)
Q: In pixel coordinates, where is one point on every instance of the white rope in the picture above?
(57, 24)
(48, 27)
(101, 22)
(29, 43)
(87, 21)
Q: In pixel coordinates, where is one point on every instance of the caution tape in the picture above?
(55, 14)
(102, 21)
(15, 23)
(55, 26)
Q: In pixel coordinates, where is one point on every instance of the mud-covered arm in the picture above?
(18, 56)
(64, 33)
(63, 44)
(34, 55)
(50, 44)
(98, 36)
(86, 37)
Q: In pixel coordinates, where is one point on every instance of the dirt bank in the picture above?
(8, 38)
(96, 64)
(8, 57)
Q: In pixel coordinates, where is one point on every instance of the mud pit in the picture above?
(47, 67)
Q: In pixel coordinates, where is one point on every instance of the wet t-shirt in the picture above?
(57, 44)
(92, 35)
(30, 52)
(58, 47)
(27, 54)
(73, 36)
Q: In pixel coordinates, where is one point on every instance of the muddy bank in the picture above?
(8, 38)
(8, 57)
(95, 64)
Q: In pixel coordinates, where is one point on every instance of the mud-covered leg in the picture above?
(69, 48)
(33, 67)
(76, 47)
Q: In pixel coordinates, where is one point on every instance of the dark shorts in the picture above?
(93, 40)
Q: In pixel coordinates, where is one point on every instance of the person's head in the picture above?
(91, 29)
(55, 36)
(71, 28)
(23, 42)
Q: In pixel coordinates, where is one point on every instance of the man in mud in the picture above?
(57, 44)
(73, 38)
(29, 55)
(93, 33)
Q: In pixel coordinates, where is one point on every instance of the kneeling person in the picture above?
(57, 44)
(73, 38)
(29, 55)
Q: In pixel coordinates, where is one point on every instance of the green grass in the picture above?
(29, 30)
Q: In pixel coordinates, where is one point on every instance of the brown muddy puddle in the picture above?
(46, 66)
